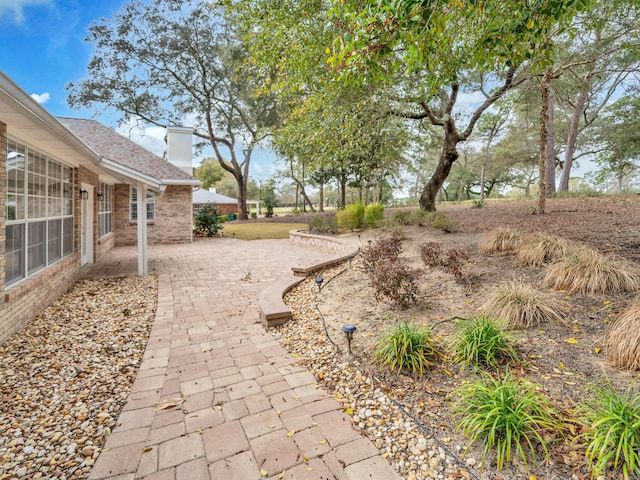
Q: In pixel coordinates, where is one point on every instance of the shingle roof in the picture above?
(109, 144)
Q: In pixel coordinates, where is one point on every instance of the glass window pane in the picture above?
(14, 255)
(67, 236)
(35, 246)
(54, 240)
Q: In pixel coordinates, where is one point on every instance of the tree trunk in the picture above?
(448, 155)
(573, 135)
(550, 161)
(321, 194)
(482, 178)
(544, 128)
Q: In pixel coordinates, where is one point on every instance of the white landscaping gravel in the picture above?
(65, 377)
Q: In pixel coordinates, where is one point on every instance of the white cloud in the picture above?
(150, 137)
(15, 7)
(41, 97)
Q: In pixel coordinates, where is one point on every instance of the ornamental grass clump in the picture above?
(543, 248)
(406, 347)
(500, 240)
(481, 342)
(586, 270)
(613, 438)
(507, 415)
(522, 306)
(622, 339)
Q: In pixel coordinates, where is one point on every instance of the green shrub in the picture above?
(374, 214)
(207, 220)
(477, 203)
(419, 217)
(440, 221)
(406, 347)
(327, 223)
(613, 438)
(351, 217)
(506, 414)
(402, 217)
(480, 343)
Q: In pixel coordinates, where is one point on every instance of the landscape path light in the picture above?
(348, 330)
(319, 281)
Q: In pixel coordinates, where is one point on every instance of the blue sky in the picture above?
(42, 49)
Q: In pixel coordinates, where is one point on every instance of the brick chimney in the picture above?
(180, 147)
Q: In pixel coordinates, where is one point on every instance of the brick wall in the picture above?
(25, 300)
(173, 220)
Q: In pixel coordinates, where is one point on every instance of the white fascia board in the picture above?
(134, 175)
(195, 183)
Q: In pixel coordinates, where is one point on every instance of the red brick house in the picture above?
(70, 194)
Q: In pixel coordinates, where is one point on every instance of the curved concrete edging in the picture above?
(273, 310)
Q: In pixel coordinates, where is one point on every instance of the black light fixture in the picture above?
(319, 281)
(348, 330)
(84, 194)
(100, 196)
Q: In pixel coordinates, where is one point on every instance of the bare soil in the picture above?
(564, 360)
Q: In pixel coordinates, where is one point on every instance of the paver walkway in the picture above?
(241, 395)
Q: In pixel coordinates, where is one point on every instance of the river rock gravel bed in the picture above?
(413, 451)
(65, 377)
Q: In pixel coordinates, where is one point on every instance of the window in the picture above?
(151, 206)
(105, 208)
(39, 212)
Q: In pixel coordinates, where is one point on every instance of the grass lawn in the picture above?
(260, 230)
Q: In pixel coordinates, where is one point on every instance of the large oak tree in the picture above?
(170, 61)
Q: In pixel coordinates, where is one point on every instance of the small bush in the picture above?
(500, 240)
(440, 221)
(622, 339)
(542, 248)
(586, 270)
(451, 261)
(431, 253)
(396, 283)
(523, 306)
(613, 438)
(395, 230)
(402, 217)
(373, 214)
(327, 223)
(406, 347)
(383, 250)
(507, 414)
(352, 217)
(419, 217)
(207, 220)
(477, 203)
(481, 342)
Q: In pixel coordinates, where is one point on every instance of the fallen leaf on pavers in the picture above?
(322, 442)
(263, 472)
(271, 426)
(282, 474)
(146, 449)
(572, 341)
(309, 469)
(291, 433)
(172, 403)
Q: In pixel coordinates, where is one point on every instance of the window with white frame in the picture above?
(39, 212)
(105, 209)
(151, 205)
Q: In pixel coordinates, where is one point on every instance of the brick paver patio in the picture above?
(246, 410)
